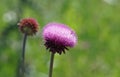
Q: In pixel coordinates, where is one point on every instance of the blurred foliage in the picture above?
(96, 22)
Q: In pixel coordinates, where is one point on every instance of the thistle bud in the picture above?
(28, 26)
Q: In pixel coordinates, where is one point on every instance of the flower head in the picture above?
(28, 26)
(58, 37)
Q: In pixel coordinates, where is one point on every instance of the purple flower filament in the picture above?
(58, 37)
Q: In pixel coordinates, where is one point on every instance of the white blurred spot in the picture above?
(111, 2)
(9, 16)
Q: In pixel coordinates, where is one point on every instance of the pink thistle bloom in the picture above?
(58, 37)
(28, 26)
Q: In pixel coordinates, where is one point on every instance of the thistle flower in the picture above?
(28, 26)
(58, 37)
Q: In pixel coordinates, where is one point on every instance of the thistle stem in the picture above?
(23, 56)
(51, 64)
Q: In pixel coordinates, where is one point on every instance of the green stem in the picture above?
(51, 64)
(23, 56)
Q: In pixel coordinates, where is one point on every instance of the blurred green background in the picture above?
(96, 22)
